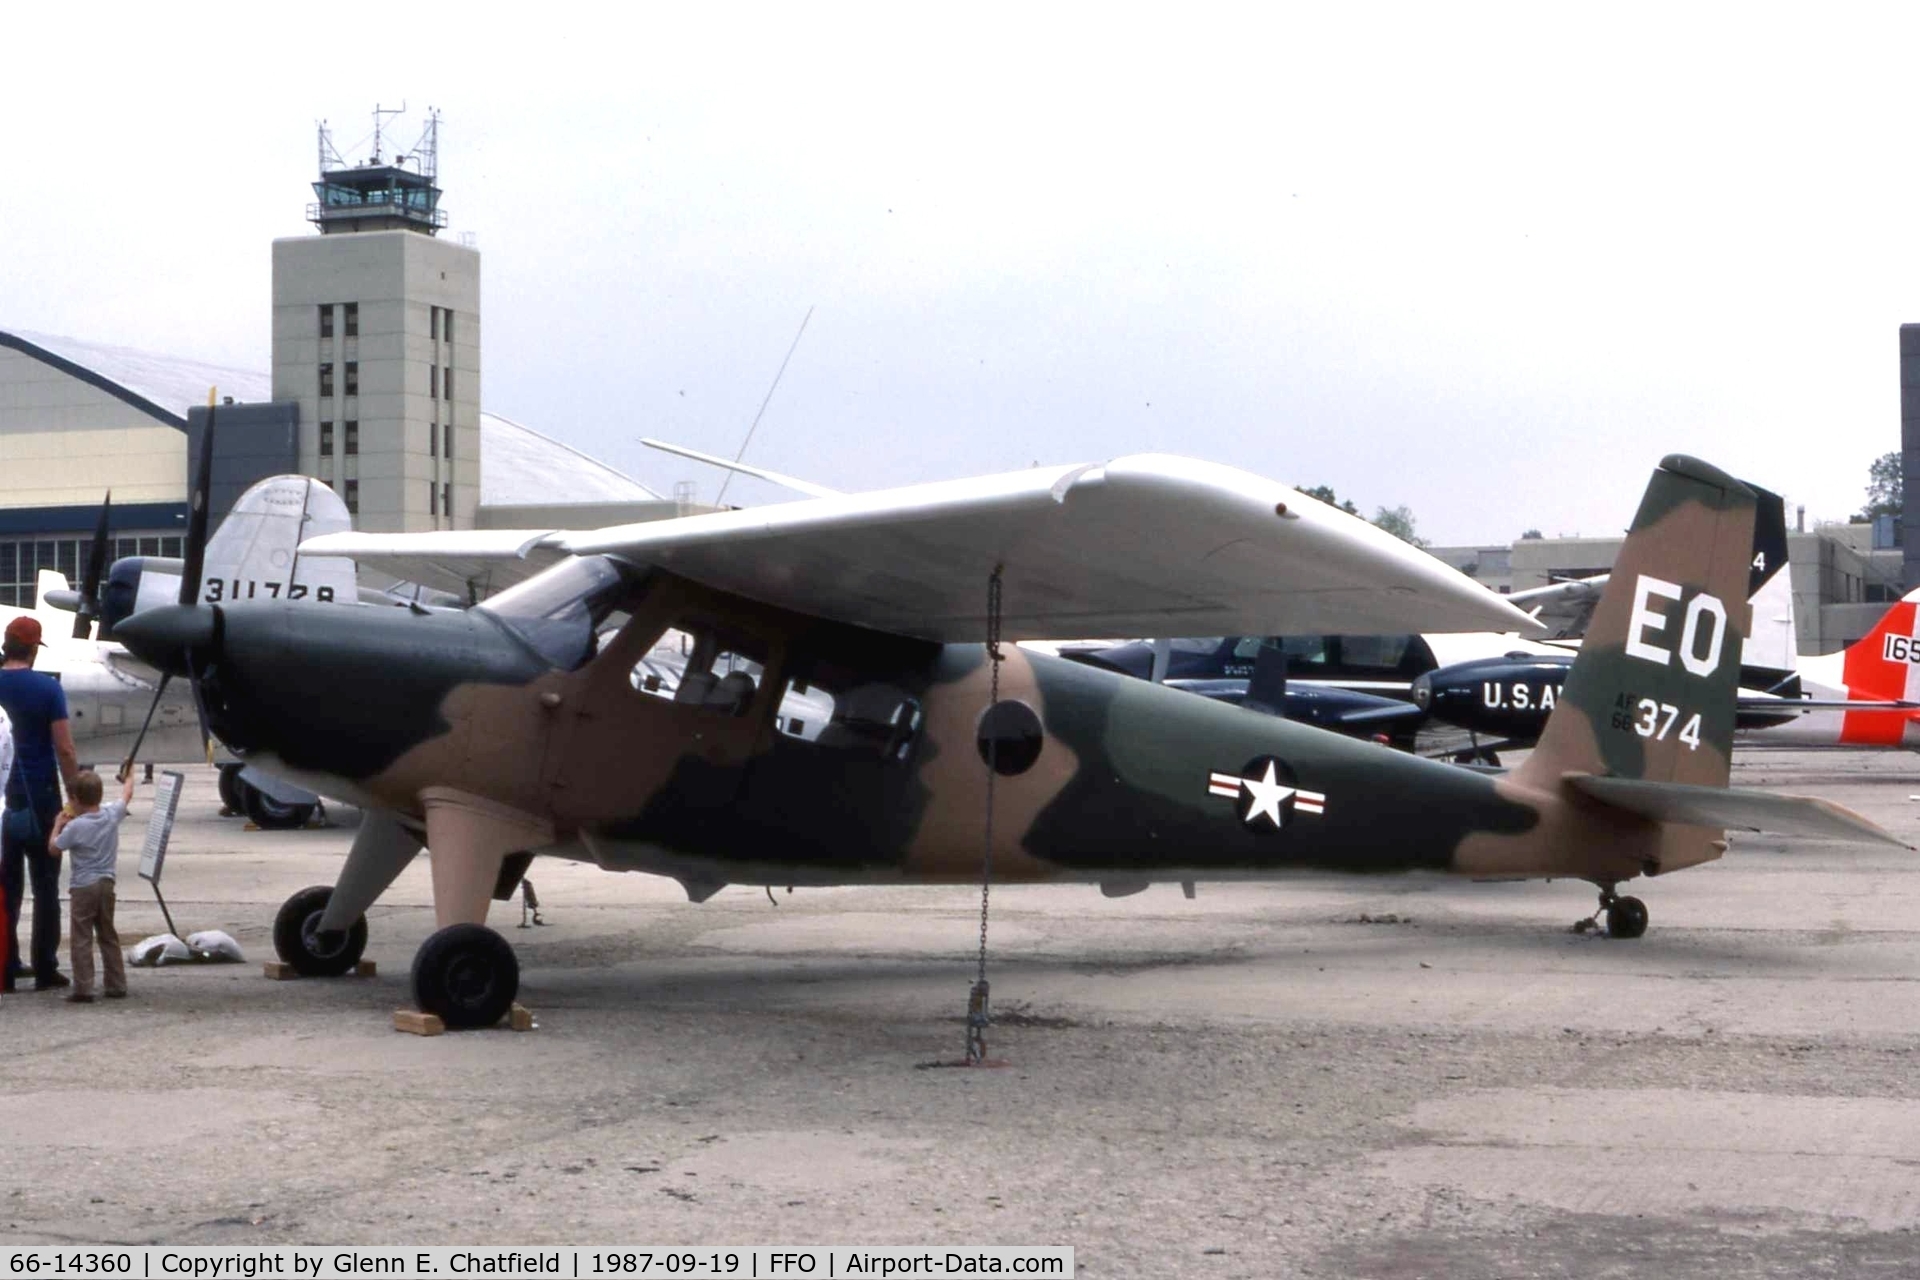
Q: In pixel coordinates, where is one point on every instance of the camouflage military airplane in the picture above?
(859, 720)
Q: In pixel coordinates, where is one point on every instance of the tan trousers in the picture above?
(93, 910)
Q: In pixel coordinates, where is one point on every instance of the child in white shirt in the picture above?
(91, 833)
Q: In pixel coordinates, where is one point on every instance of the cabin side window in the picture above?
(700, 664)
(861, 713)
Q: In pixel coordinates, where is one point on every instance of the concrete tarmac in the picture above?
(1323, 1076)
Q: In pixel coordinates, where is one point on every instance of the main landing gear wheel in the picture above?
(1626, 918)
(230, 784)
(269, 814)
(467, 975)
(313, 954)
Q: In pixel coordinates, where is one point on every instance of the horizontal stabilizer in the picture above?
(1737, 808)
(1790, 705)
(1383, 715)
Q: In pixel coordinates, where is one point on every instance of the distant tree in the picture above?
(1885, 488)
(1531, 533)
(1326, 494)
(1398, 521)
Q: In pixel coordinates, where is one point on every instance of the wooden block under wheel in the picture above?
(414, 1022)
(279, 970)
(520, 1018)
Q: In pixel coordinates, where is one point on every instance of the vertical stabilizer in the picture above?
(1773, 645)
(255, 555)
(1885, 663)
(1653, 692)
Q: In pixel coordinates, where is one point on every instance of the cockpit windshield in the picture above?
(558, 612)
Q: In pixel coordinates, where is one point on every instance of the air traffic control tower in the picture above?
(376, 333)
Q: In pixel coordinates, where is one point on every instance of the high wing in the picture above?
(1143, 545)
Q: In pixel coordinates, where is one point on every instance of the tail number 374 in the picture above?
(1655, 720)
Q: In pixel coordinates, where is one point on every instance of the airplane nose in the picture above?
(162, 637)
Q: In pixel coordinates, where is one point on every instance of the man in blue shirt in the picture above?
(43, 757)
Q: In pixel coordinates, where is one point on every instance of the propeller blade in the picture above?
(152, 707)
(90, 587)
(200, 707)
(196, 549)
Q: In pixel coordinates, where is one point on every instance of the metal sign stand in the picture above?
(153, 853)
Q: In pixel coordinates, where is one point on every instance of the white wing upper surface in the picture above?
(1144, 545)
(480, 561)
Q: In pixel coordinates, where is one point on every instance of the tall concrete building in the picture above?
(376, 336)
(1910, 454)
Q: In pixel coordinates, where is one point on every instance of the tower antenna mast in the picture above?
(379, 111)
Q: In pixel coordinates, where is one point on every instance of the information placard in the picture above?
(166, 799)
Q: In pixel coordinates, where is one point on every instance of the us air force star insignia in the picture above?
(1266, 794)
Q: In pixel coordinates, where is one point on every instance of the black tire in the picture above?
(467, 975)
(230, 788)
(1626, 918)
(298, 941)
(269, 814)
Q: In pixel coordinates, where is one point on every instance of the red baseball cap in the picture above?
(24, 629)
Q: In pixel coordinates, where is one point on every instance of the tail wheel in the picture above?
(269, 814)
(298, 941)
(1626, 918)
(467, 975)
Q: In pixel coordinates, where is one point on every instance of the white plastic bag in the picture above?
(215, 946)
(161, 948)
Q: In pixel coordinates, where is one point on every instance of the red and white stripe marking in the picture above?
(1224, 784)
(1310, 801)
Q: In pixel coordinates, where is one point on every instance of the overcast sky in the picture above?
(1488, 263)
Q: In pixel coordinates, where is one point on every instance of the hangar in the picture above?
(78, 418)
(83, 417)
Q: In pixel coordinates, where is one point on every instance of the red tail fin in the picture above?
(1885, 664)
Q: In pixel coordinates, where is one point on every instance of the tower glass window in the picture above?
(433, 382)
(433, 322)
(326, 439)
(352, 495)
(433, 439)
(351, 318)
(446, 324)
(353, 377)
(353, 436)
(446, 498)
(326, 320)
(446, 384)
(326, 378)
